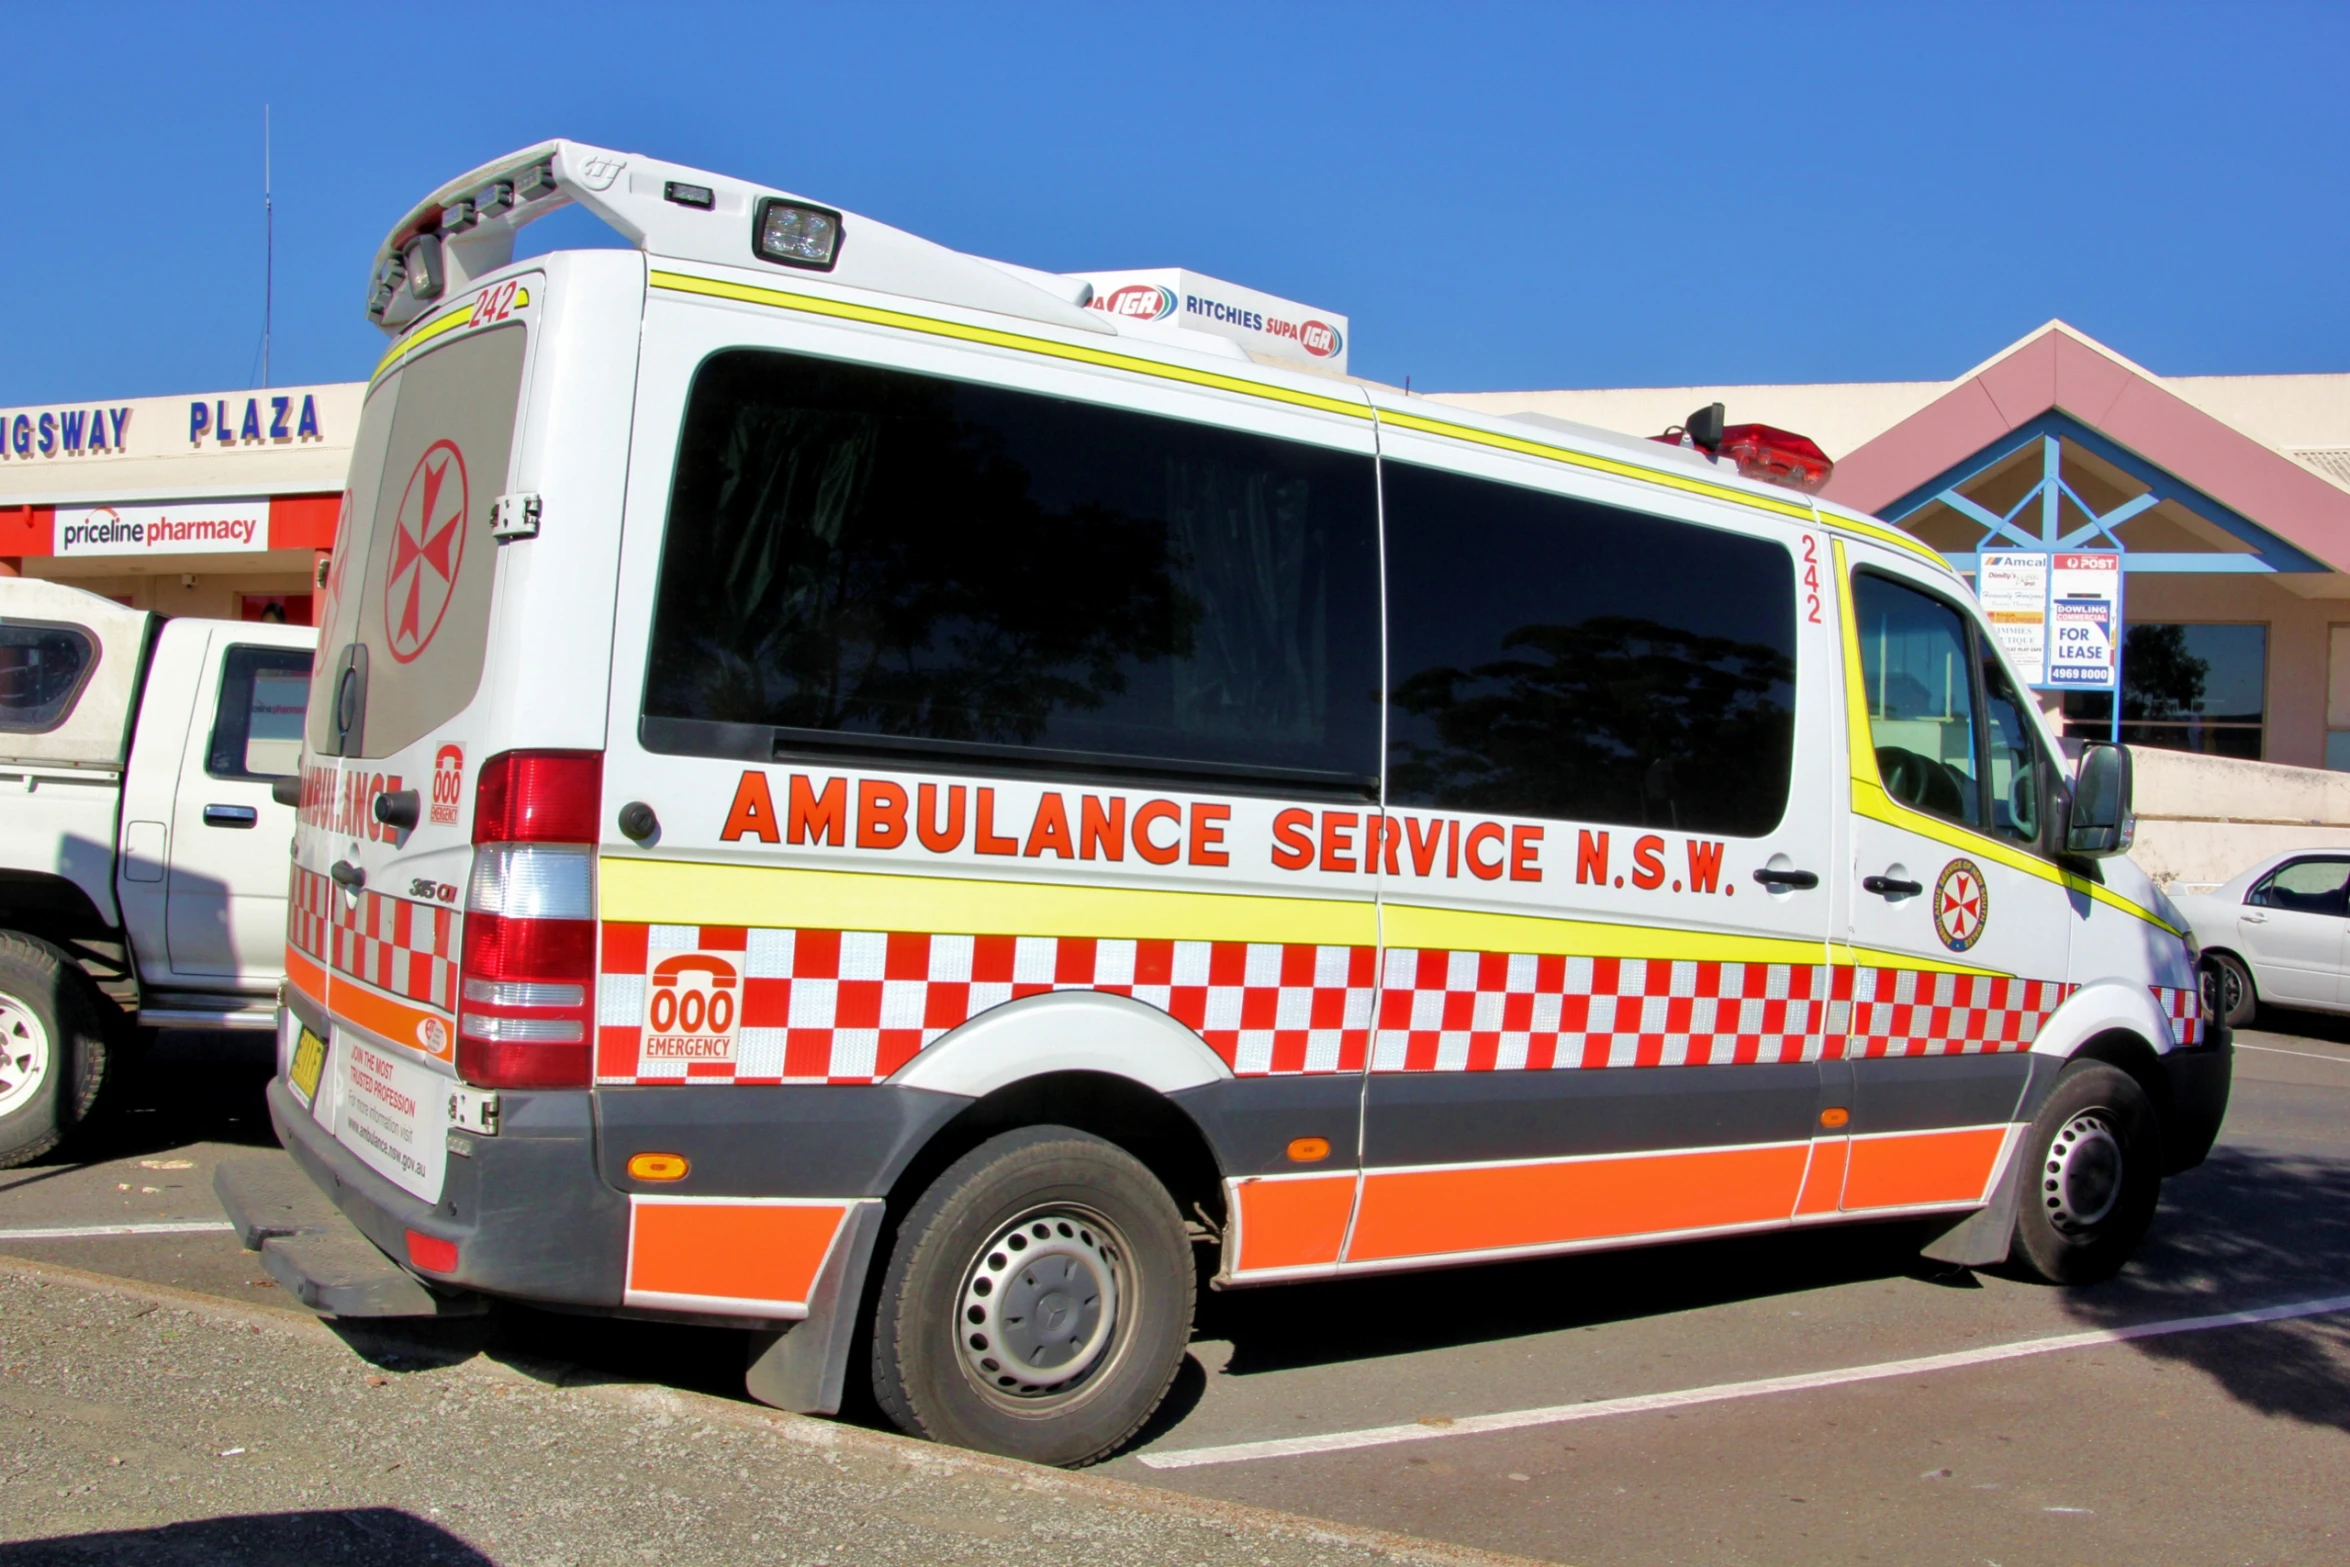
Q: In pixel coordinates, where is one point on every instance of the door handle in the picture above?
(347, 876)
(2255, 919)
(1891, 886)
(1786, 880)
(230, 816)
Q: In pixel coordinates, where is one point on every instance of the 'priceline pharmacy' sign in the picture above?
(1174, 302)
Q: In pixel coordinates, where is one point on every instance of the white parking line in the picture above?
(2306, 1055)
(1722, 1392)
(88, 1232)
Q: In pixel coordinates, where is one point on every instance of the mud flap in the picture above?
(1983, 1237)
(805, 1367)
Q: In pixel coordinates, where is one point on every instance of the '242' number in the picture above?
(1811, 579)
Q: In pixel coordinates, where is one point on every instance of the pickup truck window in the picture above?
(43, 668)
(257, 732)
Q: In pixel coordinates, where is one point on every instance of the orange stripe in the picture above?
(1922, 1167)
(1427, 1213)
(307, 976)
(419, 1028)
(1293, 1224)
(729, 1251)
(1823, 1183)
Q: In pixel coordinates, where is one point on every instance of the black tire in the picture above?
(52, 1048)
(1052, 1219)
(2092, 1174)
(2238, 1001)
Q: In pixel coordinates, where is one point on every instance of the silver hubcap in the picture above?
(2083, 1177)
(1040, 1304)
(24, 1054)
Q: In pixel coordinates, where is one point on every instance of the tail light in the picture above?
(526, 984)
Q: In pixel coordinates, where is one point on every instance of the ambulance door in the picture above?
(1604, 901)
(1956, 922)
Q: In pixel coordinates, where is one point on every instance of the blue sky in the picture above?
(1500, 197)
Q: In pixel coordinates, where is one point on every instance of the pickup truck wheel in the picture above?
(52, 1048)
(1037, 1302)
(2093, 1174)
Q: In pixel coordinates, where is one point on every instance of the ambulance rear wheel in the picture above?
(1037, 1302)
(2093, 1174)
(52, 1048)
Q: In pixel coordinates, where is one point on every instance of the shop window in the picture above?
(2184, 688)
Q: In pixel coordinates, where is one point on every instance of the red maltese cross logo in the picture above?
(428, 542)
(1961, 904)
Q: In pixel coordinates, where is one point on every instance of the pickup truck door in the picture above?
(226, 909)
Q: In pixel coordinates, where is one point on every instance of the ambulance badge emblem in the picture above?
(1962, 905)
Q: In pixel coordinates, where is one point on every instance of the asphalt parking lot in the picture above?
(1747, 1401)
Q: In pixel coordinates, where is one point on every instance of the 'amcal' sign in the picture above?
(1171, 301)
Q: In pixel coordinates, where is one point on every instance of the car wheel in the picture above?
(2093, 1173)
(52, 1048)
(1037, 1302)
(2239, 1003)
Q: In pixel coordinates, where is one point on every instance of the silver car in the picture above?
(2278, 933)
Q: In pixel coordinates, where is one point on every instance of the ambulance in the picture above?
(851, 796)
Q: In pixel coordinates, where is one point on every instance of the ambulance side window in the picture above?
(1550, 656)
(870, 561)
(2016, 777)
(1918, 668)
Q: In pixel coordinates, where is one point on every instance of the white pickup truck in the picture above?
(143, 846)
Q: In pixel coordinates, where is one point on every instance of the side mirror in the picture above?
(2103, 821)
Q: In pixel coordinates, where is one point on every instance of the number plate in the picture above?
(309, 1061)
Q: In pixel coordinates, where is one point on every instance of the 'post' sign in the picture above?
(2085, 621)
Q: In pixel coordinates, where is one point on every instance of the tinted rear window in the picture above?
(42, 670)
(1556, 657)
(902, 564)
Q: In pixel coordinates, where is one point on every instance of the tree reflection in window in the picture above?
(1555, 657)
(873, 552)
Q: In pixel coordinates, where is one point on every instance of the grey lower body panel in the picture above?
(787, 1140)
(1413, 1118)
(1921, 1093)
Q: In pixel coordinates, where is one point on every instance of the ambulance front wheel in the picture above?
(2092, 1175)
(1037, 1302)
(52, 1048)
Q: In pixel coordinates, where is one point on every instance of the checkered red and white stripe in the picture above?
(854, 1006)
(410, 949)
(1503, 1011)
(1907, 1012)
(2184, 1008)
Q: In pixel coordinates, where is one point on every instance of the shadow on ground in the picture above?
(2250, 1228)
(183, 1088)
(368, 1535)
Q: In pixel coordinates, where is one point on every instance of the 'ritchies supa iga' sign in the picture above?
(297, 416)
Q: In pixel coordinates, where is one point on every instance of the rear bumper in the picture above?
(526, 1210)
(2200, 1080)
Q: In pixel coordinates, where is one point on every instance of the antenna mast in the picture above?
(268, 248)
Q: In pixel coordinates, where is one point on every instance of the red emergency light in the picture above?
(1761, 451)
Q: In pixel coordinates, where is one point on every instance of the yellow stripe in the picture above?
(1869, 798)
(1893, 536)
(906, 321)
(1461, 930)
(419, 336)
(672, 892)
(1846, 955)
(1607, 465)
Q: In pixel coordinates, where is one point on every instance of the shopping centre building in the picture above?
(214, 503)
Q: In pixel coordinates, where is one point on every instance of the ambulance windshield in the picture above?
(408, 593)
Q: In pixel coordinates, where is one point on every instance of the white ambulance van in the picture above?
(847, 797)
